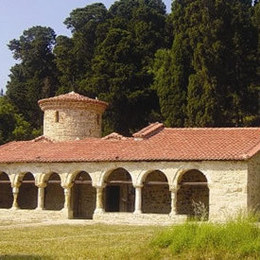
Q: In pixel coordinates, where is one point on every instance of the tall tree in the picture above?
(172, 68)
(12, 125)
(120, 67)
(213, 65)
(74, 55)
(256, 85)
(35, 77)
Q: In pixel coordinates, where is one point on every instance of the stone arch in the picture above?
(119, 193)
(182, 170)
(193, 194)
(106, 174)
(156, 196)
(83, 196)
(70, 180)
(27, 196)
(6, 194)
(53, 193)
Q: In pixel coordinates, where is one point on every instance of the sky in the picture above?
(19, 15)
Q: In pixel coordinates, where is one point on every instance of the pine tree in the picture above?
(74, 55)
(211, 66)
(120, 68)
(35, 77)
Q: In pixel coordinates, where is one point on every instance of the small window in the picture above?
(57, 117)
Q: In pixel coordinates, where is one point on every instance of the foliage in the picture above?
(74, 55)
(12, 125)
(203, 80)
(235, 239)
(34, 77)
(115, 66)
(197, 66)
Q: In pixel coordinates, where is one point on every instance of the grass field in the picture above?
(234, 240)
(75, 242)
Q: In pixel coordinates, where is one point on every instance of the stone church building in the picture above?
(159, 175)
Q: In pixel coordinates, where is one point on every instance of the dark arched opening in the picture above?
(83, 196)
(27, 196)
(54, 193)
(119, 193)
(193, 195)
(156, 197)
(6, 195)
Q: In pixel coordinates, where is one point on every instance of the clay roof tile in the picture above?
(167, 144)
(71, 97)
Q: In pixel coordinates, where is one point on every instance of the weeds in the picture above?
(235, 239)
(201, 212)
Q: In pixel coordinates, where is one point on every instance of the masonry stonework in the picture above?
(72, 117)
(157, 176)
(253, 183)
(226, 183)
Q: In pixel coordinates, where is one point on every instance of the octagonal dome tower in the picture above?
(71, 117)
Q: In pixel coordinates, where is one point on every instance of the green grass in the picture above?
(75, 242)
(239, 239)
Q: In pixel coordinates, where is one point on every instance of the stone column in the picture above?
(67, 194)
(138, 199)
(67, 204)
(15, 195)
(173, 191)
(41, 188)
(99, 200)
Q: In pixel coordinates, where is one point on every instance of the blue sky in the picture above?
(19, 15)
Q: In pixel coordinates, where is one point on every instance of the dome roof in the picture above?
(68, 99)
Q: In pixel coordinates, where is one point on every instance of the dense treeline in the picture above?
(197, 66)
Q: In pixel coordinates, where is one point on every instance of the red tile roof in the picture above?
(168, 144)
(71, 97)
(148, 131)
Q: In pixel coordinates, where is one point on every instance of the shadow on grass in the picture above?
(29, 257)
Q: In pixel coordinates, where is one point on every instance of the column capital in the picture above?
(100, 186)
(16, 185)
(15, 189)
(41, 185)
(138, 186)
(67, 186)
(174, 188)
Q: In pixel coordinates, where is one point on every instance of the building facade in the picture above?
(158, 176)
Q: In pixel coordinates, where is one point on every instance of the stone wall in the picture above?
(27, 196)
(227, 180)
(227, 189)
(193, 194)
(156, 198)
(53, 197)
(83, 200)
(6, 195)
(71, 124)
(126, 195)
(253, 184)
